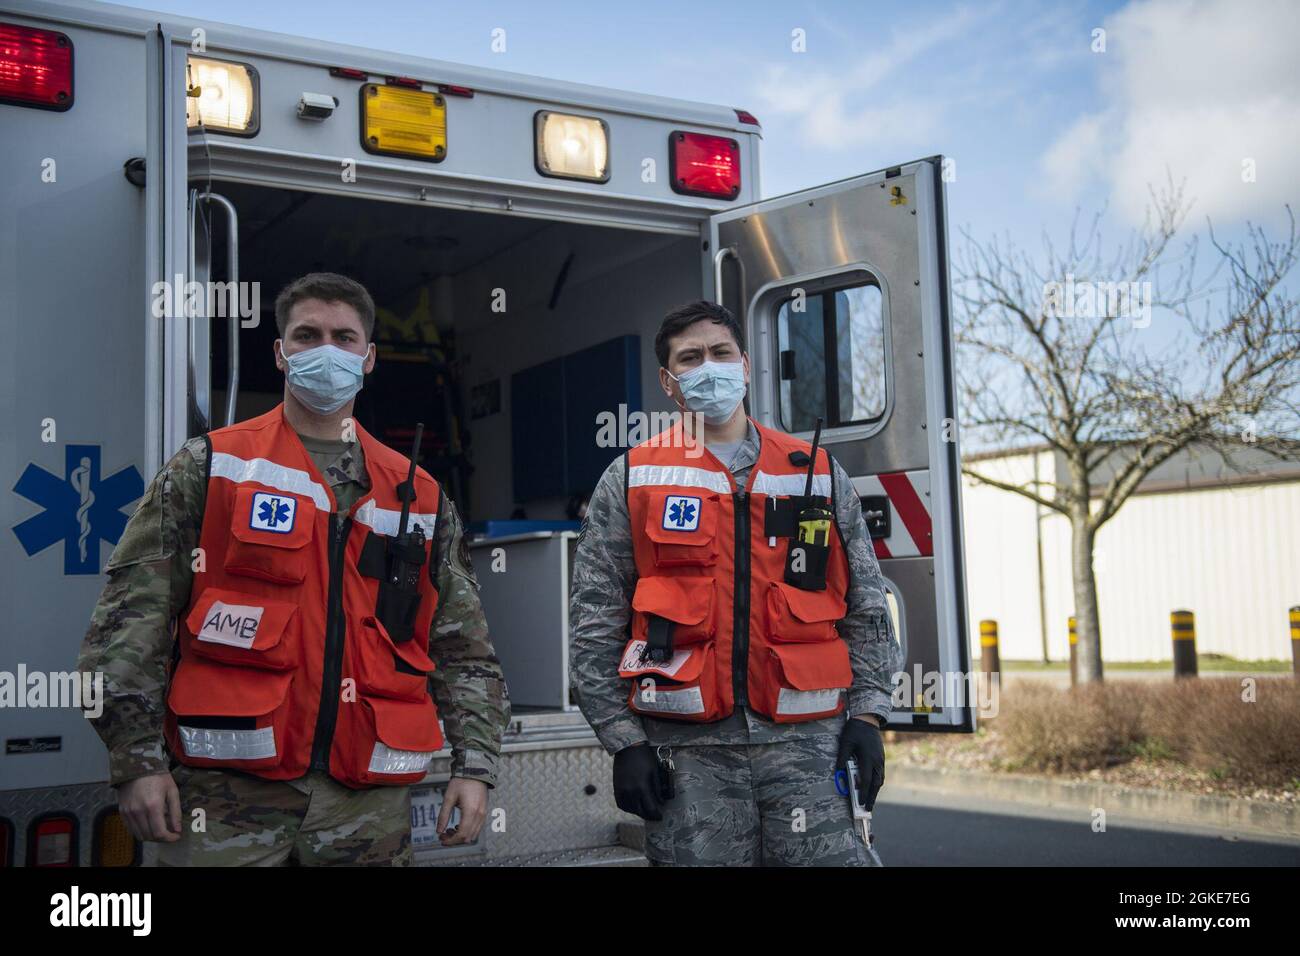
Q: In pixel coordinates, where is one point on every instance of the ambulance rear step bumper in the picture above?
(593, 856)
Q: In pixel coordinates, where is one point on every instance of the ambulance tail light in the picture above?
(571, 147)
(52, 840)
(703, 165)
(349, 73)
(221, 97)
(745, 116)
(35, 68)
(113, 844)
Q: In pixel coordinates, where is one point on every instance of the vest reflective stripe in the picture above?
(386, 520)
(383, 759)
(790, 701)
(228, 744)
(786, 485)
(281, 478)
(686, 701)
(639, 476)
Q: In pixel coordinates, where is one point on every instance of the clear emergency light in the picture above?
(222, 97)
(35, 68)
(52, 840)
(703, 165)
(571, 147)
(398, 121)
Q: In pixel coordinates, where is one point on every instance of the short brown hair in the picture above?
(687, 315)
(326, 287)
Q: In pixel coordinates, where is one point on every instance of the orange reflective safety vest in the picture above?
(710, 576)
(281, 664)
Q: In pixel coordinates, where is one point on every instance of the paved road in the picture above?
(925, 828)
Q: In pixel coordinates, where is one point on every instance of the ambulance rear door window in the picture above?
(832, 343)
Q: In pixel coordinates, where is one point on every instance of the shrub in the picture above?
(1203, 722)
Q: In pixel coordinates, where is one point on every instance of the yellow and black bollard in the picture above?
(1182, 626)
(1074, 654)
(989, 662)
(1295, 639)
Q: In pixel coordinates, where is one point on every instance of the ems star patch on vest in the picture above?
(681, 513)
(272, 513)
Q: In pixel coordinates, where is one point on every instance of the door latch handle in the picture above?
(875, 511)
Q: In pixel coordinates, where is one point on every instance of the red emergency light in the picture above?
(703, 165)
(35, 68)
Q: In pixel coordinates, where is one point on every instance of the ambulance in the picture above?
(523, 238)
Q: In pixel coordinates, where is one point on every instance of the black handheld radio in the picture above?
(810, 548)
(399, 590)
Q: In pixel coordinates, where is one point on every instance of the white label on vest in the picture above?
(233, 624)
(632, 660)
(687, 700)
(807, 701)
(272, 513)
(681, 513)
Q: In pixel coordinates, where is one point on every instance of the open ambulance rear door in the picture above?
(843, 294)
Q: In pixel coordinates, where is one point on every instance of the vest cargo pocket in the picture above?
(805, 681)
(684, 601)
(682, 688)
(270, 532)
(683, 529)
(804, 617)
(388, 742)
(243, 629)
(230, 716)
(386, 668)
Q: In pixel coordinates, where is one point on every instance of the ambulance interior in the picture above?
(505, 336)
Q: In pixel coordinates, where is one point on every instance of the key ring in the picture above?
(842, 782)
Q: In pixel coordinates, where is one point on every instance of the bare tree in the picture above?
(1058, 353)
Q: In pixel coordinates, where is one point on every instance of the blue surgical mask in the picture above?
(713, 389)
(324, 378)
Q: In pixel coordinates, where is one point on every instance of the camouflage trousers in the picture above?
(311, 821)
(769, 804)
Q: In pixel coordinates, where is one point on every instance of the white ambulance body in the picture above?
(523, 238)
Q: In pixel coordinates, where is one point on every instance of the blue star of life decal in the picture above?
(272, 513)
(681, 513)
(81, 508)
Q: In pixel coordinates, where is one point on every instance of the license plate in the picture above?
(426, 803)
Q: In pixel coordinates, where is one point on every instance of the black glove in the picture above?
(636, 782)
(862, 741)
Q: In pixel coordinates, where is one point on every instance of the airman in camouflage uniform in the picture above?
(748, 791)
(247, 819)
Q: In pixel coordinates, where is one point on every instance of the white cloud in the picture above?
(822, 102)
(1191, 88)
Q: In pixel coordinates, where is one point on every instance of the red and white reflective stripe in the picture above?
(911, 532)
